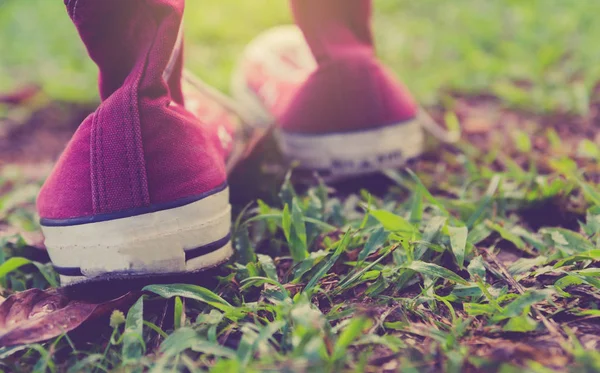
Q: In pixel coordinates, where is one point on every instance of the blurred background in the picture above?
(535, 56)
(538, 54)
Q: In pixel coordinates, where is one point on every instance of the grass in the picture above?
(485, 258)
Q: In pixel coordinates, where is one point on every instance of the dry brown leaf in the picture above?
(20, 95)
(35, 315)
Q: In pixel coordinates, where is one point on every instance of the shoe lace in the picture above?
(222, 99)
(432, 127)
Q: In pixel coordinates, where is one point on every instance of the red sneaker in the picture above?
(338, 110)
(141, 190)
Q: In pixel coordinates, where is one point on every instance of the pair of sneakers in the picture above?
(141, 189)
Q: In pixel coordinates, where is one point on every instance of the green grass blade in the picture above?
(427, 194)
(416, 211)
(458, 243)
(252, 342)
(476, 268)
(12, 264)
(349, 335)
(243, 246)
(591, 192)
(507, 235)
(192, 292)
(434, 270)
(431, 231)
(521, 304)
(568, 241)
(133, 339)
(179, 341)
(178, 315)
(49, 274)
(374, 242)
(268, 266)
(286, 223)
(298, 224)
(392, 222)
(564, 282)
(342, 245)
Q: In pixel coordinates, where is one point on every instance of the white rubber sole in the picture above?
(341, 155)
(184, 239)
